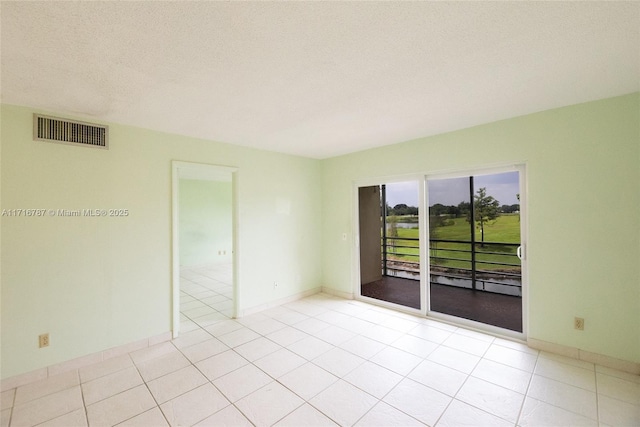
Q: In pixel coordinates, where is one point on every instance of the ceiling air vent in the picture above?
(52, 129)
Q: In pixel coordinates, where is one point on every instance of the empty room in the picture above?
(320, 213)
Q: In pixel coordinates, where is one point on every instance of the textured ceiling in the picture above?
(316, 79)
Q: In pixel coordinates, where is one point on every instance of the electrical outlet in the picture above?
(578, 323)
(275, 285)
(43, 340)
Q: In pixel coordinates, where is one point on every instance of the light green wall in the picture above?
(96, 283)
(583, 171)
(205, 224)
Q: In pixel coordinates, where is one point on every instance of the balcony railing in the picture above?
(489, 266)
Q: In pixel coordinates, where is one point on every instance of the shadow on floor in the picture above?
(503, 311)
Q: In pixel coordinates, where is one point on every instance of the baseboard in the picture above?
(337, 293)
(80, 362)
(261, 307)
(587, 356)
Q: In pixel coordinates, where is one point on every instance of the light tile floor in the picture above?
(206, 295)
(325, 361)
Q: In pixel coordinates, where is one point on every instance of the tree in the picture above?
(509, 208)
(485, 210)
(464, 208)
(402, 209)
(454, 211)
(437, 209)
(392, 233)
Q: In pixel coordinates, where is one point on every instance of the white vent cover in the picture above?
(52, 129)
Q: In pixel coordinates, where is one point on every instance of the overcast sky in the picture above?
(503, 187)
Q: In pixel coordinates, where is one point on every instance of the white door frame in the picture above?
(356, 285)
(206, 172)
(425, 306)
(521, 169)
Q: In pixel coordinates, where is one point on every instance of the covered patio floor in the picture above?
(499, 310)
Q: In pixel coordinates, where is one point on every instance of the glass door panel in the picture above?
(474, 236)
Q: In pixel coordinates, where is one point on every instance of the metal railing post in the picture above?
(472, 214)
(383, 194)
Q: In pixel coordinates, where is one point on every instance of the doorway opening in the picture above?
(475, 241)
(389, 241)
(204, 290)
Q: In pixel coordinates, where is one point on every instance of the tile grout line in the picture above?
(150, 393)
(329, 309)
(13, 405)
(469, 375)
(248, 363)
(311, 361)
(554, 404)
(595, 374)
(84, 403)
(210, 381)
(526, 393)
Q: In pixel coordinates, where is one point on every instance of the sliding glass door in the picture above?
(447, 246)
(475, 268)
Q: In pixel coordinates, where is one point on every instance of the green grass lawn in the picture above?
(505, 229)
